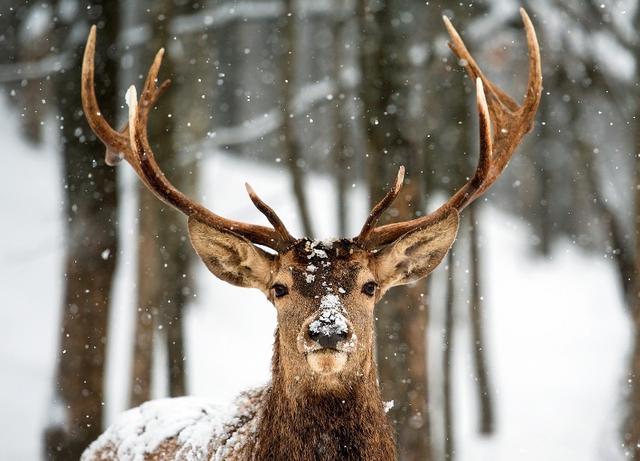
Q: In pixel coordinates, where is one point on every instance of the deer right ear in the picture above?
(230, 257)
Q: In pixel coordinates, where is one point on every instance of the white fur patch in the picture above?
(326, 362)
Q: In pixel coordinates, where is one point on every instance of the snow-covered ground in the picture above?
(558, 336)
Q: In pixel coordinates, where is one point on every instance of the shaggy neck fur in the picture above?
(298, 424)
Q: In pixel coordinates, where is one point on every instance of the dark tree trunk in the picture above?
(92, 246)
(631, 434)
(294, 160)
(545, 219)
(340, 160)
(626, 261)
(447, 361)
(478, 342)
(633, 430)
(401, 332)
(402, 316)
(147, 304)
(164, 253)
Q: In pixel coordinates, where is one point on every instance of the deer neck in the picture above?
(301, 422)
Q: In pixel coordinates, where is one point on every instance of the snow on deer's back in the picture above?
(182, 428)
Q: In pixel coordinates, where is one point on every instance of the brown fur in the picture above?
(311, 424)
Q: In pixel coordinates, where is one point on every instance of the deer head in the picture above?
(324, 292)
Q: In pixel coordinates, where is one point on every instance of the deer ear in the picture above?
(230, 257)
(417, 253)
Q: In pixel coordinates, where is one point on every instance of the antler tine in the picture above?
(150, 89)
(114, 141)
(381, 206)
(502, 124)
(460, 50)
(133, 142)
(534, 85)
(465, 194)
(271, 215)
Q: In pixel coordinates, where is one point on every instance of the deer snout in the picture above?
(327, 329)
(329, 337)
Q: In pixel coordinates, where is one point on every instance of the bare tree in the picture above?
(620, 224)
(33, 45)
(632, 426)
(291, 144)
(402, 318)
(164, 253)
(478, 341)
(91, 205)
(339, 155)
(447, 360)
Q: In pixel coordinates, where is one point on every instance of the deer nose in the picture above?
(329, 328)
(328, 339)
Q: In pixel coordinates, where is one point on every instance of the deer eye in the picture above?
(369, 288)
(280, 290)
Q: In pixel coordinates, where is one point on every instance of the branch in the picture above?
(594, 11)
(251, 11)
(224, 14)
(204, 20)
(36, 69)
(306, 99)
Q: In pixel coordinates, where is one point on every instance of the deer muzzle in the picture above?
(327, 338)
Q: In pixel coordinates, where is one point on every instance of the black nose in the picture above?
(328, 339)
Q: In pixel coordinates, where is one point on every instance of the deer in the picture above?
(323, 401)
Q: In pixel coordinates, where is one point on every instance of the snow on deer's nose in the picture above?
(330, 326)
(330, 329)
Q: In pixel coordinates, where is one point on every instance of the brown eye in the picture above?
(369, 288)
(280, 290)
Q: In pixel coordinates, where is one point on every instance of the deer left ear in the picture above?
(230, 257)
(417, 253)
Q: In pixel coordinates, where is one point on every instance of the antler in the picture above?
(132, 144)
(381, 206)
(502, 123)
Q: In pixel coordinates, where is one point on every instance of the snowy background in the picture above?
(558, 336)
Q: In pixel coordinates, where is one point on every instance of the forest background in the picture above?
(527, 341)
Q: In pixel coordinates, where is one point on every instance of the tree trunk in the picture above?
(631, 434)
(402, 316)
(632, 428)
(401, 332)
(447, 362)
(91, 210)
(478, 342)
(293, 159)
(164, 253)
(339, 154)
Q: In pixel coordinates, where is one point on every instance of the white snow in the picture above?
(558, 335)
(331, 320)
(311, 247)
(388, 406)
(141, 430)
